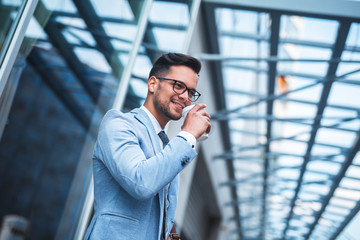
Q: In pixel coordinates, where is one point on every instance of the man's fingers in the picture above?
(205, 114)
(208, 129)
(198, 106)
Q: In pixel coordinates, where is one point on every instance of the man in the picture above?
(135, 169)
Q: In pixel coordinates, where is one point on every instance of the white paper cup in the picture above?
(184, 114)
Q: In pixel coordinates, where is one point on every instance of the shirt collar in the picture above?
(153, 120)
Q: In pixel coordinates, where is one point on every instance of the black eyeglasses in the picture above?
(180, 87)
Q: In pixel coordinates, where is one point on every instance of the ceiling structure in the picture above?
(290, 78)
(288, 95)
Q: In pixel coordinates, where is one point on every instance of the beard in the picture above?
(163, 107)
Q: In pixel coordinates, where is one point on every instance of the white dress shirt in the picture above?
(188, 136)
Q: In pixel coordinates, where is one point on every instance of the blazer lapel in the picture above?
(143, 118)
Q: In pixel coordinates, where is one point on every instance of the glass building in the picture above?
(281, 81)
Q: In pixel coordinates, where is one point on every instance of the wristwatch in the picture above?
(174, 236)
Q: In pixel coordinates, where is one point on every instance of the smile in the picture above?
(179, 105)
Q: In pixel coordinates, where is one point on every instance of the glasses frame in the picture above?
(194, 97)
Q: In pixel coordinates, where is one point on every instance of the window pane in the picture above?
(65, 78)
(9, 11)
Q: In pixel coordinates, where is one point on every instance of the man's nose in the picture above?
(185, 95)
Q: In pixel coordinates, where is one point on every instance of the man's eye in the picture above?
(192, 92)
(178, 85)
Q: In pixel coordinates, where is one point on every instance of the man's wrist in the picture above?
(189, 138)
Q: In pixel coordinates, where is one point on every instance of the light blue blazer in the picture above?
(131, 171)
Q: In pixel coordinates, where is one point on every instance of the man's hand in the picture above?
(197, 121)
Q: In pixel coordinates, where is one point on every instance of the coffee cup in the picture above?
(205, 135)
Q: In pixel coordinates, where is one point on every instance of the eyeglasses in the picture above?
(180, 87)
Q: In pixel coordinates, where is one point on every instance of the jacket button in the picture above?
(186, 160)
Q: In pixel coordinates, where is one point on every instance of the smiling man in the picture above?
(135, 165)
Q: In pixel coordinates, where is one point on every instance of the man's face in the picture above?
(169, 103)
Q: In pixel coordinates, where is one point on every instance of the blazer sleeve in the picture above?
(124, 157)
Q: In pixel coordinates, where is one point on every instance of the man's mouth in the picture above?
(179, 105)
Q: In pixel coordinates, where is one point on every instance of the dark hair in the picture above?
(163, 63)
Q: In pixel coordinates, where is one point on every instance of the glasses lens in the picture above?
(179, 87)
(195, 97)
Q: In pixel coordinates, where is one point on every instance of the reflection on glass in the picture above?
(9, 11)
(65, 78)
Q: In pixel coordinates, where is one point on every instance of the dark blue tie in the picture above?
(164, 138)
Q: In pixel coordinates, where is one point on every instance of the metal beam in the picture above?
(169, 26)
(340, 78)
(58, 40)
(104, 45)
(248, 200)
(269, 98)
(208, 13)
(272, 74)
(346, 221)
(257, 37)
(9, 56)
(280, 96)
(286, 40)
(7, 26)
(125, 78)
(12, 45)
(149, 36)
(320, 8)
(272, 58)
(252, 176)
(88, 13)
(39, 65)
(194, 7)
(348, 161)
(331, 73)
(59, 13)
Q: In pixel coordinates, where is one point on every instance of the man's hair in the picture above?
(163, 63)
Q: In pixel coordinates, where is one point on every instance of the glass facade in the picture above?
(71, 68)
(61, 95)
(286, 86)
(10, 12)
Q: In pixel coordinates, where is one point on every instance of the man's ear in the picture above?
(152, 84)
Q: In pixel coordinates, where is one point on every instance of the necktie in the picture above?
(164, 138)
